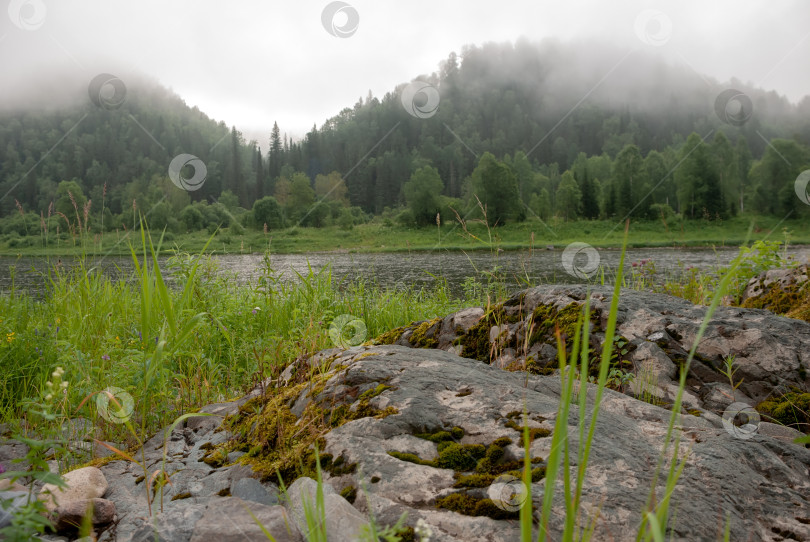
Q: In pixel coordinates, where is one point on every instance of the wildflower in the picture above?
(48, 397)
(2, 469)
(105, 357)
(64, 385)
(423, 530)
(10, 336)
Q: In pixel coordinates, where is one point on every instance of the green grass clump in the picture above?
(181, 334)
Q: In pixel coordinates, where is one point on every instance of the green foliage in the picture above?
(422, 193)
(495, 186)
(268, 211)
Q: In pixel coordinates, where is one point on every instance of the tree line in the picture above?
(504, 138)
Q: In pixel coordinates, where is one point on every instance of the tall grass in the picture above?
(182, 333)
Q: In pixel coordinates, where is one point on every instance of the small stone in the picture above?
(70, 515)
(84, 483)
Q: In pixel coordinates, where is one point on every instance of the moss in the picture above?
(375, 479)
(464, 393)
(791, 409)
(460, 456)
(280, 442)
(140, 479)
(424, 334)
(181, 496)
(442, 436)
(502, 442)
(389, 337)
(349, 493)
(374, 392)
(476, 341)
(406, 534)
(411, 458)
(216, 458)
(781, 300)
(474, 480)
(534, 432)
(224, 492)
(339, 467)
(473, 506)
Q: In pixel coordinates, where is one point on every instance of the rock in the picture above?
(69, 516)
(84, 483)
(250, 489)
(394, 398)
(342, 522)
(777, 290)
(769, 352)
(230, 520)
(175, 524)
(7, 485)
(17, 500)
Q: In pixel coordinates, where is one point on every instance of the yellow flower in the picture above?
(10, 336)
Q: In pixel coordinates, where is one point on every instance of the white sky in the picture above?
(252, 62)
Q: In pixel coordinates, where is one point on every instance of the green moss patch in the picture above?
(442, 436)
(389, 337)
(349, 493)
(277, 441)
(791, 409)
(470, 505)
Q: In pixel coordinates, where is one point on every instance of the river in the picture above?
(395, 270)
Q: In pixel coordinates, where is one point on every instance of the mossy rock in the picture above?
(470, 505)
(792, 301)
(280, 442)
(791, 409)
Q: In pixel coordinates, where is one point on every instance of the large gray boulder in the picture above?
(430, 426)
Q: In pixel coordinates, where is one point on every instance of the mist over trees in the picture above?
(509, 135)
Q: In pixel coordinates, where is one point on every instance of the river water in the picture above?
(396, 270)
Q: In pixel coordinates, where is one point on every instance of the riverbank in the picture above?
(378, 236)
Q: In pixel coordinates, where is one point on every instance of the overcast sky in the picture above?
(252, 62)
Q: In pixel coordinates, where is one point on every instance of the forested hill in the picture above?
(581, 130)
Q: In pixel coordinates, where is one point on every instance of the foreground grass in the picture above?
(379, 236)
(176, 349)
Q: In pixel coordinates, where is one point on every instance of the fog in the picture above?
(252, 63)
